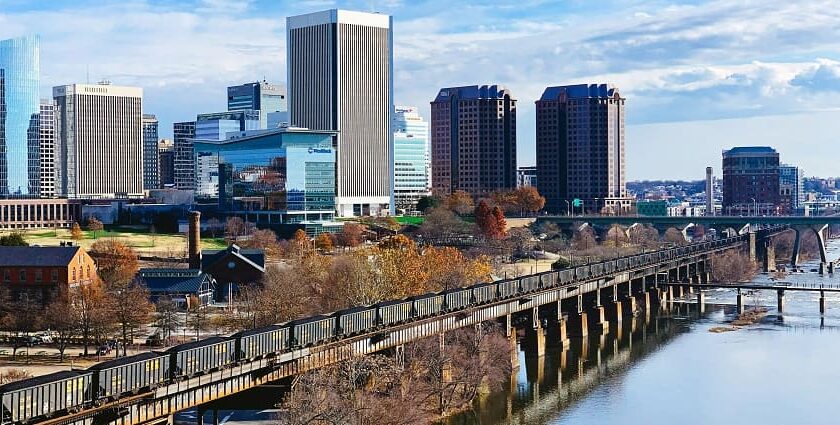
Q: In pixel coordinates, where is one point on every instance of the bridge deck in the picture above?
(776, 287)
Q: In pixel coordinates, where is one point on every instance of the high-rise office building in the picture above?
(710, 192)
(791, 187)
(473, 140)
(751, 181)
(151, 179)
(20, 154)
(411, 158)
(581, 148)
(183, 138)
(340, 78)
(166, 163)
(526, 176)
(260, 96)
(46, 129)
(100, 134)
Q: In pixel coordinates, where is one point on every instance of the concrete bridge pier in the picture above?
(579, 322)
(740, 302)
(822, 302)
(831, 267)
(534, 343)
(822, 269)
(769, 256)
(819, 232)
(780, 300)
(701, 301)
(510, 331)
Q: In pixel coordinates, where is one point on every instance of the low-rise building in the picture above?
(183, 286)
(28, 213)
(41, 273)
(233, 267)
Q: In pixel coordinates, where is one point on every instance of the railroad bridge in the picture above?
(724, 225)
(573, 302)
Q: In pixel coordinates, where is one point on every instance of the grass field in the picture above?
(143, 242)
(407, 219)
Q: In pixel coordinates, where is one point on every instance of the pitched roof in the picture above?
(173, 280)
(254, 257)
(37, 256)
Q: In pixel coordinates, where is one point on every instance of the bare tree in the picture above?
(59, 319)
(130, 307)
(732, 266)
(166, 318)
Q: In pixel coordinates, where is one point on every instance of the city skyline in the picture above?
(660, 53)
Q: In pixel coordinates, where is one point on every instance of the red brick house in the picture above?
(42, 272)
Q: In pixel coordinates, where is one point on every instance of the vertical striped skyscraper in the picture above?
(340, 77)
(101, 140)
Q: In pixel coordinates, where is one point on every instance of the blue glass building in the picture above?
(411, 158)
(19, 107)
(274, 177)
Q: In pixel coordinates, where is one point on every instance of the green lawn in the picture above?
(142, 242)
(407, 219)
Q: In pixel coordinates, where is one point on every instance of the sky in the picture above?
(699, 76)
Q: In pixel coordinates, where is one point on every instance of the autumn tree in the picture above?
(732, 266)
(91, 311)
(130, 307)
(299, 243)
(491, 222)
(529, 199)
(76, 232)
(94, 225)
(115, 261)
(351, 235)
(324, 242)
(460, 202)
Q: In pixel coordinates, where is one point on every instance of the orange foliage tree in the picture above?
(116, 261)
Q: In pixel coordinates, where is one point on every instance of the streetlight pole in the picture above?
(755, 207)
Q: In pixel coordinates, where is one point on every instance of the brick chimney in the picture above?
(194, 240)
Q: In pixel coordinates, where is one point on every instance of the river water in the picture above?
(668, 368)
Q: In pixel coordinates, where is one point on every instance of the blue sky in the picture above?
(699, 76)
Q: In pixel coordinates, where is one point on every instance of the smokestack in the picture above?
(710, 193)
(194, 240)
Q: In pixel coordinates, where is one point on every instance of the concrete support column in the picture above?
(794, 261)
(199, 416)
(769, 256)
(514, 350)
(535, 341)
(579, 325)
(680, 291)
(822, 268)
(670, 292)
(601, 322)
(701, 301)
(215, 416)
(831, 267)
(780, 300)
(821, 242)
(822, 302)
(631, 305)
(562, 336)
(740, 302)
(617, 310)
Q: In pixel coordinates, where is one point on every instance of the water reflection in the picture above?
(546, 385)
(671, 369)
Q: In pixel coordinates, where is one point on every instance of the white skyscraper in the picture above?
(99, 140)
(411, 158)
(340, 78)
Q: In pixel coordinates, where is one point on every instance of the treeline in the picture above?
(314, 283)
(430, 380)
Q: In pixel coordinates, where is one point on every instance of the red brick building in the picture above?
(42, 272)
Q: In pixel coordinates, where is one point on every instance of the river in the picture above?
(670, 369)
